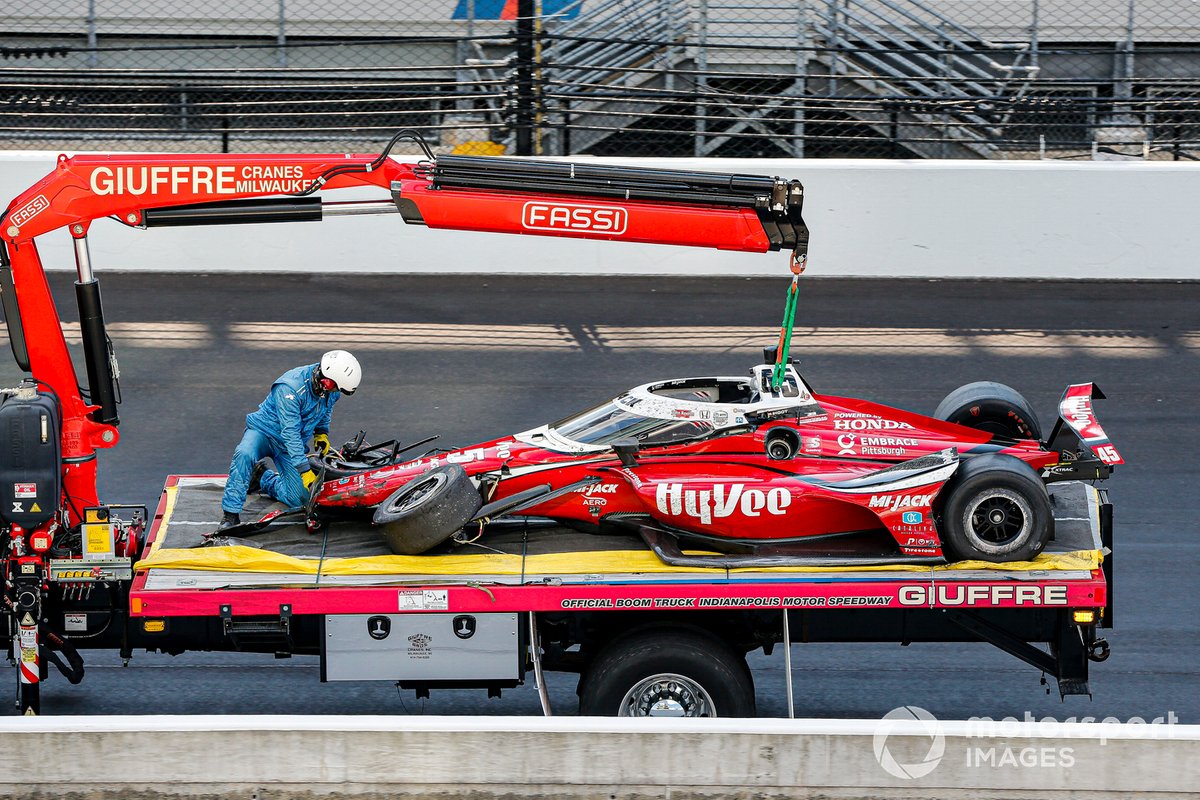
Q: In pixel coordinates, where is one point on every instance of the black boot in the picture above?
(256, 474)
(229, 520)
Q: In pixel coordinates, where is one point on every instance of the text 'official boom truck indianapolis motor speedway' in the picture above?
(645, 637)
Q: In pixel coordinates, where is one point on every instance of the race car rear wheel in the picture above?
(991, 407)
(427, 510)
(665, 672)
(996, 509)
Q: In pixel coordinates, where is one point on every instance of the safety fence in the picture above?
(754, 78)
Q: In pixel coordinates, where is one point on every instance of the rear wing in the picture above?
(1077, 425)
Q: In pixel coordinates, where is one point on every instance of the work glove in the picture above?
(321, 443)
(308, 478)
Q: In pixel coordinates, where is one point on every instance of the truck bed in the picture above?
(347, 569)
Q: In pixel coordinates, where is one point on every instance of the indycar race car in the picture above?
(754, 474)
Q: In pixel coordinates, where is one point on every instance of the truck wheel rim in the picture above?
(667, 695)
(998, 520)
(420, 490)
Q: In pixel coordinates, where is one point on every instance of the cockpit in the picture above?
(677, 411)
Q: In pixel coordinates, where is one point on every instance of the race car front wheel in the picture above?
(996, 509)
(990, 407)
(665, 672)
(427, 510)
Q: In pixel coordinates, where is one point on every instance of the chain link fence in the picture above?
(755, 78)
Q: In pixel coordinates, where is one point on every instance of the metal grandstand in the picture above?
(818, 78)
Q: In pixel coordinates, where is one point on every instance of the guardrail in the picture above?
(929, 219)
(485, 757)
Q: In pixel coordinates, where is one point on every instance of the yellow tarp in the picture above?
(249, 559)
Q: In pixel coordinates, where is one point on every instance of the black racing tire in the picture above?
(427, 510)
(996, 509)
(667, 672)
(991, 407)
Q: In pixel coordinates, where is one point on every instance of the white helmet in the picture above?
(343, 369)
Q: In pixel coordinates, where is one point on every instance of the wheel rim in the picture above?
(667, 695)
(998, 520)
(417, 494)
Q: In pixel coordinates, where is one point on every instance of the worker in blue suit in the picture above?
(299, 406)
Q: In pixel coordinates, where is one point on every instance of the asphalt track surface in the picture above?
(472, 357)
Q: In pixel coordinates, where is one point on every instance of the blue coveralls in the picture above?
(283, 423)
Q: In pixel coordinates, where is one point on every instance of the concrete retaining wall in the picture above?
(474, 757)
(936, 219)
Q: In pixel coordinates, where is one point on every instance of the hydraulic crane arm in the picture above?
(547, 198)
(701, 209)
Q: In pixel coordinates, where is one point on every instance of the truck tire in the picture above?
(991, 407)
(668, 673)
(996, 509)
(427, 510)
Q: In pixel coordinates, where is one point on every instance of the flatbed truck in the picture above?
(645, 638)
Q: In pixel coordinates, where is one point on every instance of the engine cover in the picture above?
(30, 459)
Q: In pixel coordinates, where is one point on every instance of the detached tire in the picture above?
(427, 510)
(996, 509)
(663, 672)
(991, 407)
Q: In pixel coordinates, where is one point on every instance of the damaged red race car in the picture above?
(755, 471)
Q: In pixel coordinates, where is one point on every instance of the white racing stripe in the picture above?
(954, 342)
(407, 336)
(166, 335)
(883, 341)
(1190, 340)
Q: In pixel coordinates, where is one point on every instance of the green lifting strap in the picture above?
(785, 337)
(799, 262)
